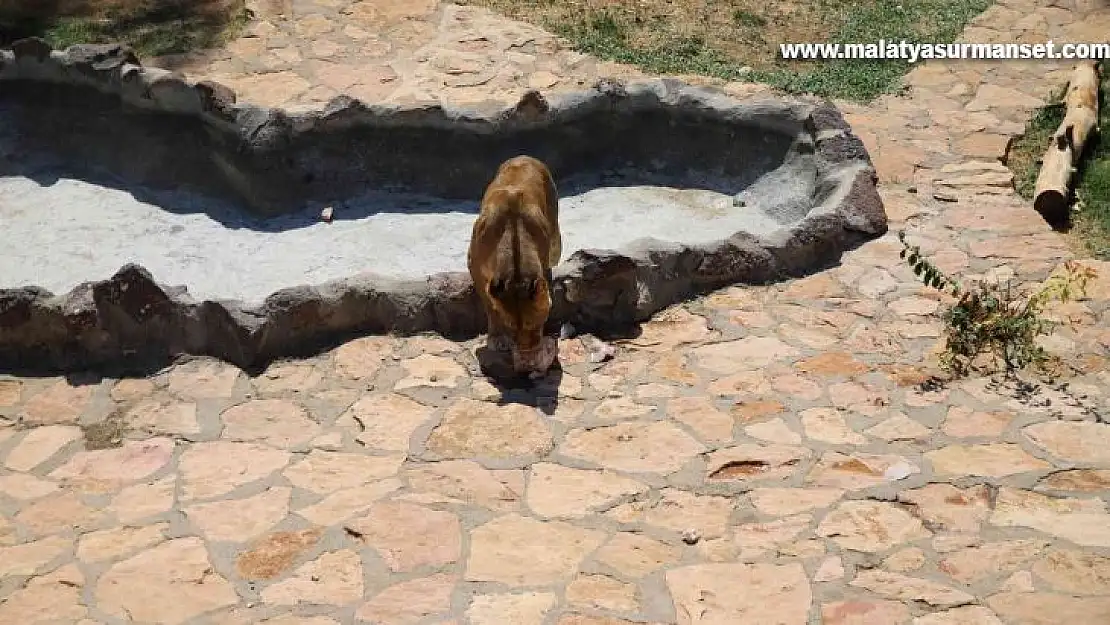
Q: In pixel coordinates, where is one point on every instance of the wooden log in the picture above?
(1053, 190)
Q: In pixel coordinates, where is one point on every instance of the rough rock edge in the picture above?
(130, 318)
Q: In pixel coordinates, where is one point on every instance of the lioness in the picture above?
(515, 243)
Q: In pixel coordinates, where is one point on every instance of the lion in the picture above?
(514, 245)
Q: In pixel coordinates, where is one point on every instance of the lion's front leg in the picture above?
(498, 337)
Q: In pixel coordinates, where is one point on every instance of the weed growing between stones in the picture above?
(995, 319)
(106, 434)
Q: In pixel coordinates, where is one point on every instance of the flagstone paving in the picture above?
(763, 456)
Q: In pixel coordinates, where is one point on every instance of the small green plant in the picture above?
(995, 318)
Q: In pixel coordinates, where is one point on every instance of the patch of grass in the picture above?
(733, 39)
(938, 21)
(151, 27)
(996, 320)
(106, 434)
(1091, 224)
(747, 19)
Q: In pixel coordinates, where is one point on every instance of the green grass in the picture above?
(734, 39)
(748, 19)
(1091, 224)
(923, 21)
(152, 28)
(155, 38)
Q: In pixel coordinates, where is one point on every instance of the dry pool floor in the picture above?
(59, 233)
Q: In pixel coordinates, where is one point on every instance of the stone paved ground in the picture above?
(763, 456)
(301, 53)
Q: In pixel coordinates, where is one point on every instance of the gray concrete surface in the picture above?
(58, 232)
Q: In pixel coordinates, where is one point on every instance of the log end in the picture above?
(1054, 208)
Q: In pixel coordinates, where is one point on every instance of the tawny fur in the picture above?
(515, 243)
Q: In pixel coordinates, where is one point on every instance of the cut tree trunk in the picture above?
(1053, 190)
